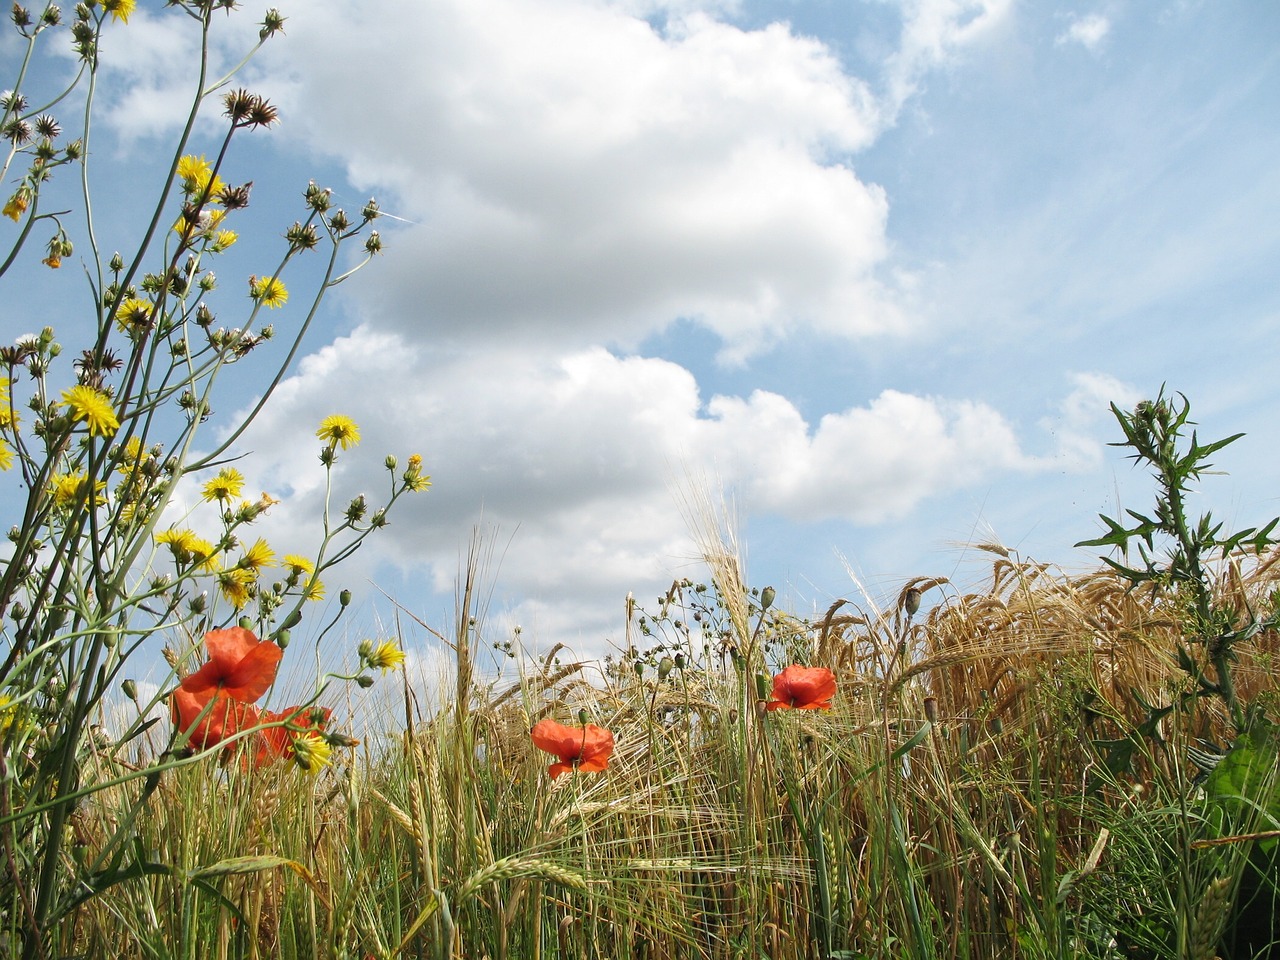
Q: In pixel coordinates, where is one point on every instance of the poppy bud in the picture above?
(911, 601)
(282, 639)
(931, 709)
(365, 681)
(344, 598)
(665, 665)
(679, 661)
(583, 717)
(767, 596)
(244, 623)
(638, 667)
(130, 690)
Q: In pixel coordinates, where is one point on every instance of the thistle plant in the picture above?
(1178, 555)
(100, 569)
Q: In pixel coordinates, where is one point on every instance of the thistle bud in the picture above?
(356, 509)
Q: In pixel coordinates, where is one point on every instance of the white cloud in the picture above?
(577, 176)
(933, 33)
(569, 460)
(1089, 31)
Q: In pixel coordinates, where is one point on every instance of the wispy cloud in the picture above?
(1089, 31)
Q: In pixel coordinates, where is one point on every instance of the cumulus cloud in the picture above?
(576, 175)
(1089, 31)
(569, 461)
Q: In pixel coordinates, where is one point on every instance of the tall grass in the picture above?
(960, 799)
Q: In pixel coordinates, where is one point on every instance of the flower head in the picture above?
(268, 291)
(198, 178)
(385, 656)
(312, 752)
(225, 486)
(215, 702)
(298, 564)
(802, 688)
(18, 203)
(120, 9)
(339, 431)
(258, 556)
(93, 407)
(586, 748)
(133, 314)
(68, 489)
(299, 724)
(235, 584)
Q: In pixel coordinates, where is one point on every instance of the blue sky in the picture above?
(875, 269)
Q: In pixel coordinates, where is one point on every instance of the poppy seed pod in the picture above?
(911, 601)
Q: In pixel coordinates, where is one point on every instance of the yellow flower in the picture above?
(413, 478)
(204, 553)
(225, 486)
(133, 314)
(197, 177)
(385, 656)
(7, 417)
(235, 584)
(268, 291)
(52, 262)
(93, 407)
(298, 564)
(337, 430)
(18, 203)
(186, 547)
(312, 752)
(179, 541)
(223, 239)
(120, 9)
(258, 556)
(6, 455)
(8, 713)
(133, 457)
(68, 489)
(314, 590)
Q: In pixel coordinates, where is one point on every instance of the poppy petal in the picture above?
(249, 679)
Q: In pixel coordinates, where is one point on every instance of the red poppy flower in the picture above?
(239, 671)
(585, 748)
(802, 688)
